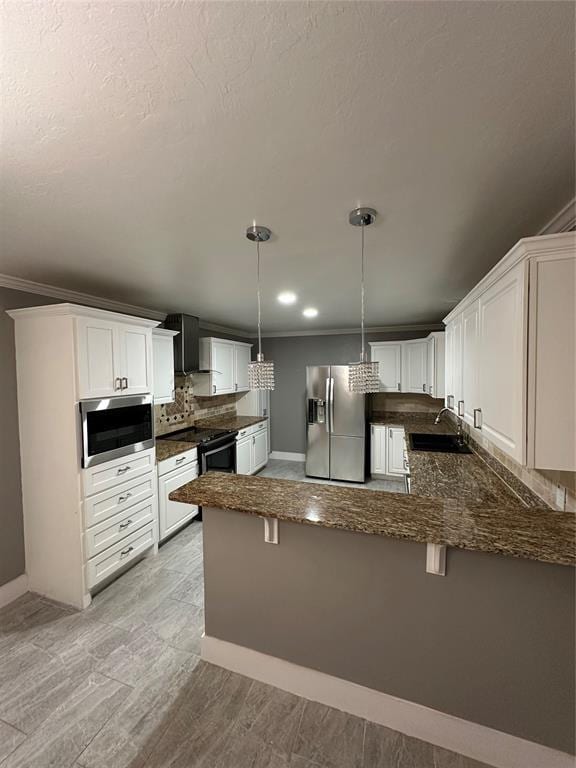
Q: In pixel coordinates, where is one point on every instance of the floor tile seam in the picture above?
(15, 727)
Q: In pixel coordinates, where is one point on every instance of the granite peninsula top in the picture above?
(165, 449)
(531, 533)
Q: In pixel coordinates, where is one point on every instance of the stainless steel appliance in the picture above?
(336, 425)
(115, 427)
(216, 447)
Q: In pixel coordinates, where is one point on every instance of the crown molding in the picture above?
(216, 328)
(77, 297)
(353, 331)
(563, 221)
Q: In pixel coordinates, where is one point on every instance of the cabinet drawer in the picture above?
(104, 476)
(109, 532)
(177, 462)
(103, 505)
(260, 426)
(112, 559)
(244, 433)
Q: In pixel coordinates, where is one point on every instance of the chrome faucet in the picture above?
(458, 420)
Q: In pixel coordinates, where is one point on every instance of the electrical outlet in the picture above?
(561, 497)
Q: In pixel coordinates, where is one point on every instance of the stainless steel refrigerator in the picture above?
(336, 425)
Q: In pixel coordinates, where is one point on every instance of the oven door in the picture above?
(115, 427)
(219, 455)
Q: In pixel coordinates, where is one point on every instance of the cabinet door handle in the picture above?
(236, 387)
(117, 383)
(423, 387)
(121, 470)
(478, 421)
(126, 551)
(213, 389)
(124, 382)
(125, 525)
(398, 386)
(460, 409)
(450, 401)
(124, 498)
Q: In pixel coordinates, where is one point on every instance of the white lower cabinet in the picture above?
(111, 560)
(388, 451)
(172, 515)
(252, 449)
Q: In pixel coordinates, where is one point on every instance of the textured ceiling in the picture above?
(140, 139)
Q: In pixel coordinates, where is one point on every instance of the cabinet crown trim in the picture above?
(76, 310)
(524, 249)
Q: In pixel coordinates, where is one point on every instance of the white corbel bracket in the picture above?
(436, 559)
(270, 530)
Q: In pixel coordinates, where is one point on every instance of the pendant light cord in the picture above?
(363, 354)
(259, 309)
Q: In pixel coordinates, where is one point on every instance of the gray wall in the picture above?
(12, 562)
(291, 355)
(491, 642)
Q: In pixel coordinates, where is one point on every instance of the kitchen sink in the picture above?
(422, 441)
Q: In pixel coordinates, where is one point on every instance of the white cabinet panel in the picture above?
(551, 363)
(395, 454)
(501, 362)
(136, 359)
(388, 356)
(244, 456)
(107, 533)
(471, 372)
(435, 378)
(242, 354)
(163, 365)
(414, 366)
(454, 362)
(98, 361)
(114, 558)
(259, 449)
(378, 450)
(223, 367)
(174, 514)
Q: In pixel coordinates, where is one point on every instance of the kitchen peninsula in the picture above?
(343, 610)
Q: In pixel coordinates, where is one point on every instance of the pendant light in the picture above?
(260, 372)
(363, 375)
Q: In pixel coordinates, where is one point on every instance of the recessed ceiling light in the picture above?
(287, 297)
(310, 312)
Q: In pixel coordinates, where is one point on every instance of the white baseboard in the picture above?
(13, 589)
(288, 456)
(475, 741)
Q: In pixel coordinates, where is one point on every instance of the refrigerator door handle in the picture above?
(331, 405)
(328, 410)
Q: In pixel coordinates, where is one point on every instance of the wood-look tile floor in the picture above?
(121, 686)
(296, 470)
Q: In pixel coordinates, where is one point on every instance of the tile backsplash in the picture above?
(188, 409)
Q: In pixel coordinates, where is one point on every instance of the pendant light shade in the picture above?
(363, 376)
(260, 371)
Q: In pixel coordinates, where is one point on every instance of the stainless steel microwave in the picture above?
(116, 427)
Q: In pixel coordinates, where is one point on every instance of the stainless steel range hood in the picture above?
(186, 343)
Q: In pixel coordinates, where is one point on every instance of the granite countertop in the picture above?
(475, 478)
(230, 421)
(165, 449)
(531, 533)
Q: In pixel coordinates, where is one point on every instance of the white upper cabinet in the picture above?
(388, 355)
(135, 346)
(435, 379)
(501, 390)
(510, 353)
(163, 365)
(226, 363)
(98, 358)
(241, 362)
(470, 363)
(551, 364)
(114, 357)
(414, 366)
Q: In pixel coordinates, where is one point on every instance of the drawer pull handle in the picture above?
(124, 498)
(125, 525)
(121, 470)
(126, 551)
(478, 421)
(182, 458)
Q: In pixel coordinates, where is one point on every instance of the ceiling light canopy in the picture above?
(287, 297)
(363, 375)
(260, 372)
(310, 312)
